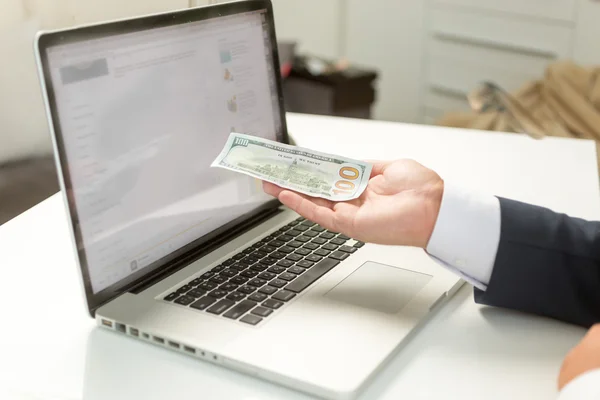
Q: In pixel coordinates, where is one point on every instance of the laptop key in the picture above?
(276, 269)
(218, 268)
(344, 237)
(184, 288)
(174, 295)
(294, 244)
(327, 235)
(247, 289)
(319, 240)
(303, 239)
(238, 280)
(203, 302)
(314, 258)
(303, 252)
(340, 255)
(284, 295)
(293, 233)
(300, 219)
(258, 297)
(268, 249)
(227, 263)
(348, 249)
(207, 275)
(196, 293)
(330, 247)
(259, 254)
(337, 241)
(236, 296)
(305, 264)
(311, 234)
(286, 249)
(278, 283)
(239, 256)
(317, 229)
(257, 282)
(207, 286)
(229, 273)
(267, 289)
(310, 276)
(248, 273)
(311, 246)
(221, 306)
(322, 252)
(228, 287)
(274, 304)
(262, 311)
(196, 281)
(359, 244)
(218, 279)
(285, 238)
(267, 275)
(294, 257)
(278, 255)
(240, 309)
(276, 243)
(259, 267)
(268, 261)
(296, 270)
(218, 293)
(301, 228)
(308, 223)
(251, 319)
(292, 224)
(285, 263)
(287, 276)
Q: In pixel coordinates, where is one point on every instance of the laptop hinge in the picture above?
(188, 258)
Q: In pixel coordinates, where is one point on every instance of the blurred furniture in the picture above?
(54, 350)
(431, 53)
(347, 93)
(24, 183)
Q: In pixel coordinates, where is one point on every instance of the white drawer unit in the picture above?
(560, 10)
(515, 34)
(468, 42)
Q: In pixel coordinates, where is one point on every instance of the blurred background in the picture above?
(414, 61)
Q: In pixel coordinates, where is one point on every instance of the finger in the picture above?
(271, 189)
(378, 167)
(315, 210)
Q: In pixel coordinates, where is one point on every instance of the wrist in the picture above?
(433, 204)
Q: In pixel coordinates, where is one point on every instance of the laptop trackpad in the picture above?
(379, 287)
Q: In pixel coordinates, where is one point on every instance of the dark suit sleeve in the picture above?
(547, 264)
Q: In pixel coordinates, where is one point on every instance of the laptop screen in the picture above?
(142, 115)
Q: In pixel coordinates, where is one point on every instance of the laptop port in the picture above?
(159, 340)
(121, 327)
(189, 349)
(134, 332)
(107, 323)
(174, 345)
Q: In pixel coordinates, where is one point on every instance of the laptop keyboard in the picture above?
(262, 278)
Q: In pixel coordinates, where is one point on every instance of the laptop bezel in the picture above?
(173, 261)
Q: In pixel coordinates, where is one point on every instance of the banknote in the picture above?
(302, 170)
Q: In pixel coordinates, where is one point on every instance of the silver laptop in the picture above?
(198, 260)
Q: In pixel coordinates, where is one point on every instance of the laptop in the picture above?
(199, 260)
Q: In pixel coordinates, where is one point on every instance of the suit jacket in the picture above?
(547, 264)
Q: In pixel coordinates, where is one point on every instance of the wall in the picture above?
(23, 127)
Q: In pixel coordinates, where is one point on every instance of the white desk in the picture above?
(50, 349)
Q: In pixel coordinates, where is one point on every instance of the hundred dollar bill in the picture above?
(302, 170)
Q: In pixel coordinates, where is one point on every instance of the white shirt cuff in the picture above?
(466, 234)
(584, 387)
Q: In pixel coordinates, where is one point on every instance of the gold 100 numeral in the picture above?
(346, 185)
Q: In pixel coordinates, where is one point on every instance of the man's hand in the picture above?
(399, 207)
(583, 358)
